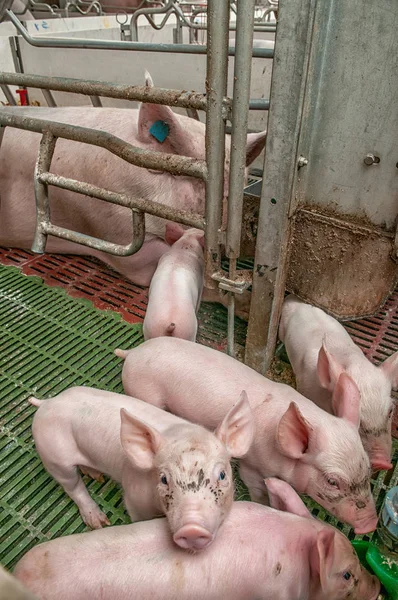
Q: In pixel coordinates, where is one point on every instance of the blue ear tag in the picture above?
(159, 130)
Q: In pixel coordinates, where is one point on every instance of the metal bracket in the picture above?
(238, 285)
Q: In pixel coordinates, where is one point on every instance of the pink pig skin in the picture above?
(260, 554)
(176, 287)
(165, 465)
(18, 155)
(320, 349)
(317, 453)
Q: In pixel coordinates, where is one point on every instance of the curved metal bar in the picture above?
(171, 163)
(48, 42)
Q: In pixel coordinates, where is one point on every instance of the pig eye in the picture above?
(222, 476)
(391, 412)
(347, 576)
(163, 479)
(333, 483)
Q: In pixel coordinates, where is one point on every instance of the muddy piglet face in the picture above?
(195, 487)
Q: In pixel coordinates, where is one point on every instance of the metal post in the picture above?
(240, 113)
(49, 98)
(280, 166)
(46, 153)
(7, 92)
(216, 89)
(96, 101)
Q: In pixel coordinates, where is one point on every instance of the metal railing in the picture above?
(218, 110)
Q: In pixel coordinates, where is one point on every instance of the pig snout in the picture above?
(193, 537)
(369, 586)
(379, 451)
(367, 523)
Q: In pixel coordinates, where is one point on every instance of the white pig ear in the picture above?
(254, 144)
(148, 79)
(174, 232)
(322, 556)
(236, 430)
(390, 368)
(346, 400)
(293, 433)
(139, 441)
(283, 497)
(328, 368)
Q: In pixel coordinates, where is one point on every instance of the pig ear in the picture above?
(293, 433)
(139, 441)
(346, 400)
(254, 144)
(390, 368)
(236, 431)
(162, 129)
(283, 497)
(328, 368)
(322, 556)
(174, 232)
(148, 79)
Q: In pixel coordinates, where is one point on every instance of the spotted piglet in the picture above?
(176, 287)
(165, 464)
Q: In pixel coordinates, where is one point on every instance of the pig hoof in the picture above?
(96, 520)
(93, 474)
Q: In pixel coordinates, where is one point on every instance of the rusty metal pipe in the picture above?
(182, 99)
(98, 244)
(171, 163)
(216, 82)
(148, 206)
(43, 163)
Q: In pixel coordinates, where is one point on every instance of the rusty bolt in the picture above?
(371, 159)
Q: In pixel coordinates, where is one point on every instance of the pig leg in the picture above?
(254, 482)
(73, 484)
(93, 473)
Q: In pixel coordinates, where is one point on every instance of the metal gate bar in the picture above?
(280, 167)
(48, 42)
(211, 171)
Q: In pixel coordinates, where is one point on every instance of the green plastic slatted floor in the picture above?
(48, 342)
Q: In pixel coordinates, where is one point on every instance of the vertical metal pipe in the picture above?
(289, 73)
(216, 89)
(43, 163)
(240, 113)
(7, 92)
(96, 101)
(49, 98)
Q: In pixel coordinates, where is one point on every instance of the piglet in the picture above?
(165, 464)
(176, 287)
(320, 349)
(260, 554)
(319, 454)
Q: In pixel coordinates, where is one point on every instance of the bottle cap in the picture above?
(389, 513)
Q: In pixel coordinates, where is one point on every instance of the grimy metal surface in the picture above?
(216, 82)
(351, 175)
(48, 42)
(280, 167)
